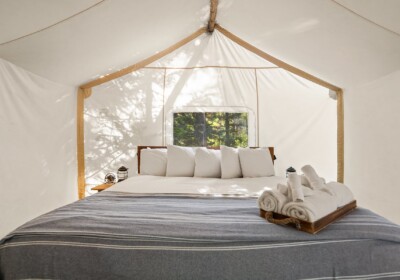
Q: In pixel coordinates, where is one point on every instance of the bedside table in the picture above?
(102, 187)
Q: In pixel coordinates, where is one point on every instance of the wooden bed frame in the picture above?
(140, 148)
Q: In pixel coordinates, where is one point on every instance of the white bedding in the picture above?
(146, 184)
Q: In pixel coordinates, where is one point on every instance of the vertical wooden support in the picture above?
(213, 15)
(163, 108)
(340, 136)
(81, 95)
(258, 110)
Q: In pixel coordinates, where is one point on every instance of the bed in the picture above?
(151, 227)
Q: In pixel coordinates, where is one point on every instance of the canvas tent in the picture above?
(353, 44)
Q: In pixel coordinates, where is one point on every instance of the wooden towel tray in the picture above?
(314, 227)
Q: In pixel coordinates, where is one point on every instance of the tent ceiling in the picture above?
(320, 37)
(385, 13)
(22, 17)
(105, 38)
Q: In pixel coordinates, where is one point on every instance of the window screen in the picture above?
(210, 129)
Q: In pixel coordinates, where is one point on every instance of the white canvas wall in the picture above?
(298, 118)
(119, 116)
(372, 139)
(210, 74)
(37, 146)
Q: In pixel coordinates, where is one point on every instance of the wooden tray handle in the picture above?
(269, 216)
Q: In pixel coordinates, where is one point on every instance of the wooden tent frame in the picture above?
(85, 90)
(213, 15)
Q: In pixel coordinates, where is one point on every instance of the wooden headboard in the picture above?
(140, 148)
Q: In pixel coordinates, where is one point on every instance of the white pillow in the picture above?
(256, 162)
(180, 161)
(230, 165)
(207, 163)
(153, 162)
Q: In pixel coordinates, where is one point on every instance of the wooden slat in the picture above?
(145, 62)
(81, 94)
(276, 61)
(102, 187)
(213, 15)
(340, 136)
(211, 66)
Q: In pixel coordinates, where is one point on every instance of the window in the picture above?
(210, 129)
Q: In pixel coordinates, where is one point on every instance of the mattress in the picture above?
(242, 187)
(130, 233)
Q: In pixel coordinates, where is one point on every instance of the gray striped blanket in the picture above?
(122, 236)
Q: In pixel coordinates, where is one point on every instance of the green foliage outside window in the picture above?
(210, 129)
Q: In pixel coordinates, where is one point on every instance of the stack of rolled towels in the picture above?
(306, 197)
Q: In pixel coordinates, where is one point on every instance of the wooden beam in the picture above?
(213, 15)
(81, 94)
(144, 62)
(276, 61)
(340, 136)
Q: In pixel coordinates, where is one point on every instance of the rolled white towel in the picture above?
(342, 193)
(307, 191)
(272, 200)
(327, 190)
(313, 179)
(284, 189)
(306, 183)
(313, 208)
(294, 183)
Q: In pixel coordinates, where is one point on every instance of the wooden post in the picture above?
(213, 15)
(81, 95)
(340, 136)
(258, 110)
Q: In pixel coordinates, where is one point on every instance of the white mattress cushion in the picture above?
(256, 162)
(230, 164)
(207, 163)
(153, 162)
(180, 161)
(145, 184)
